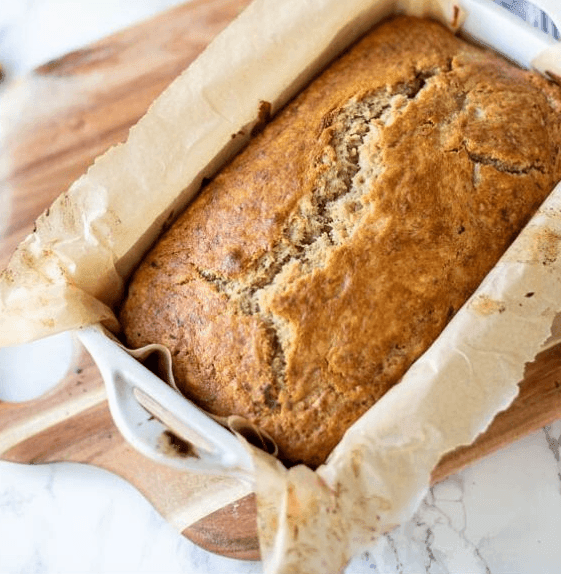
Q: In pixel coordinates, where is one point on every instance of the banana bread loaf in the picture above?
(306, 278)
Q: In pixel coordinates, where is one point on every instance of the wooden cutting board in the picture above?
(81, 104)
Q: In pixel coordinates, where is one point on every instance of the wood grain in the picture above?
(112, 83)
(230, 531)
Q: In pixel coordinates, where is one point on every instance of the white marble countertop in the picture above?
(501, 516)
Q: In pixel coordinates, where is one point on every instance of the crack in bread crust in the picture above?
(348, 173)
(347, 170)
(502, 166)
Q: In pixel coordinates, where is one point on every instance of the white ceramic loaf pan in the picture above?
(144, 407)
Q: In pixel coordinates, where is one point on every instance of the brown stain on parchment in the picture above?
(356, 463)
(456, 17)
(485, 305)
(300, 511)
(546, 246)
(263, 117)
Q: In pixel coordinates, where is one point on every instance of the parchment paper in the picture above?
(71, 272)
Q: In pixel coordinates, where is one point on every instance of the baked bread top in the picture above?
(310, 273)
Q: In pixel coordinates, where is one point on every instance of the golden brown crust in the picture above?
(315, 268)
